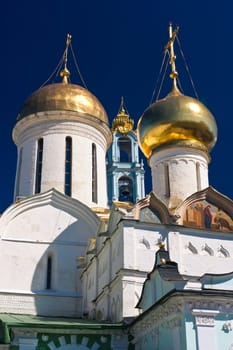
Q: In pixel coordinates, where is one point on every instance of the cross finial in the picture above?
(65, 72)
(122, 107)
(170, 47)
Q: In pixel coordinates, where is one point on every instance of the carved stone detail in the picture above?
(204, 321)
(204, 317)
(167, 316)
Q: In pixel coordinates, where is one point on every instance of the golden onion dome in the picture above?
(63, 97)
(176, 119)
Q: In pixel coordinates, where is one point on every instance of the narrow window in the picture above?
(39, 165)
(49, 273)
(94, 174)
(167, 182)
(68, 166)
(198, 174)
(18, 174)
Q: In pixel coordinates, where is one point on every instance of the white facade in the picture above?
(149, 272)
(178, 172)
(53, 128)
(113, 280)
(39, 228)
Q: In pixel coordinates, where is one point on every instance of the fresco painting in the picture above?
(205, 215)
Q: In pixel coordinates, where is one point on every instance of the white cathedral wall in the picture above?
(140, 246)
(27, 239)
(54, 133)
(25, 180)
(23, 282)
(53, 163)
(201, 252)
(104, 267)
(169, 169)
(89, 282)
(117, 262)
(122, 265)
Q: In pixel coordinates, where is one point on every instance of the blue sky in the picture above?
(119, 49)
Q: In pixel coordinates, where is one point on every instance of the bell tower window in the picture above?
(124, 145)
(39, 163)
(94, 174)
(68, 166)
(125, 186)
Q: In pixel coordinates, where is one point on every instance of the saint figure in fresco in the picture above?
(222, 223)
(207, 216)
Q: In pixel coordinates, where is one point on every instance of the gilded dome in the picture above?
(176, 119)
(122, 122)
(63, 97)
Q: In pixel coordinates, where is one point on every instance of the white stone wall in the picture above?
(198, 253)
(89, 285)
(25, 178)
(140, 246)
(54, 305)
(104, 267)
(54, 128)
(123, 263)
(26, 241)
(183, 178)
(117, 253)
(115, 300)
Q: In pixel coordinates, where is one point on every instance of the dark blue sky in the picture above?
(119, 49)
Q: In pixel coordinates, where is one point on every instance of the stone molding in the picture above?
(34, 121)
(205, 317)
(165, 315)
(169, 315)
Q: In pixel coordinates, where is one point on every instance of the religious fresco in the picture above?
(205, 215)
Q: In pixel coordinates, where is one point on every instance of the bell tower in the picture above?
(125, 170)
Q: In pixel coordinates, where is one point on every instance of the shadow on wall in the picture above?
(56, 281)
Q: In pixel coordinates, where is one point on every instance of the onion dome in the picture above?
(64, 96)
(176, 119)
(122, 122)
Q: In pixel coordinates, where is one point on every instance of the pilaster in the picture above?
(205, 322)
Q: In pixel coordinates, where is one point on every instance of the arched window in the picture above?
(39, 160)
(94, 174)
(125, 186)
(49, 272)
(124, 145)
(68, 166)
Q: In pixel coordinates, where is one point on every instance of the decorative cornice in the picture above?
(204, 317)
(33, 122)
(169, 311)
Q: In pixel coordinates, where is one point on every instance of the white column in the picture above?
(204, 321)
